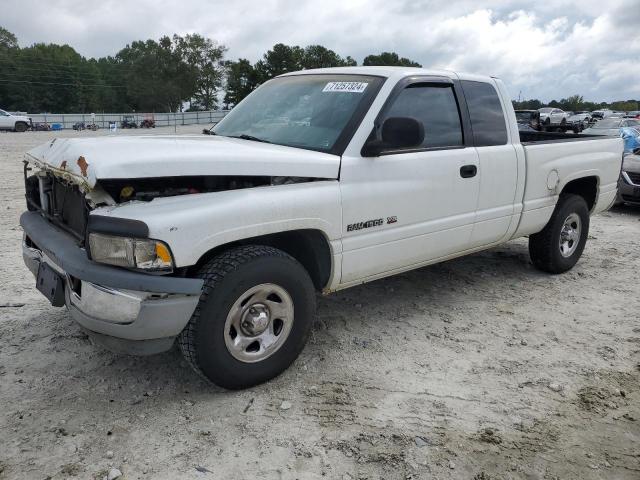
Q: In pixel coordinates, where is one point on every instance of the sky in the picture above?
(547, 49)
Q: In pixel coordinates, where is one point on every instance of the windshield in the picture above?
(545, 110)
(608, 123)
(305, 111)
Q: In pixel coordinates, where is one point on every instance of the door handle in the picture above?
(468, 171)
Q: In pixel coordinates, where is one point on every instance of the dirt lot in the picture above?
(479, 368)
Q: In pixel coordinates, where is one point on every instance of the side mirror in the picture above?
(396, 133)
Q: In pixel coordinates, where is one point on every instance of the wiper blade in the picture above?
(244, 136)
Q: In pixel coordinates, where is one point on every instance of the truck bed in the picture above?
(548, 137)
(554, 159)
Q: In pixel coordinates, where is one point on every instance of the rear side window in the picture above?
(485, 111)
(436, 107)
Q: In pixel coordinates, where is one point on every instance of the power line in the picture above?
(68, 65)
(2, 80)
(57, 75)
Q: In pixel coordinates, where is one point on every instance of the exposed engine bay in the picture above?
(146, 189)
(67, 204)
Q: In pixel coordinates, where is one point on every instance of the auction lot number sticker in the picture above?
(350, 87)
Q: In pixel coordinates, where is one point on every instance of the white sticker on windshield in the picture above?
(350, 87)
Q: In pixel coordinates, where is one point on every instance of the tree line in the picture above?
(576, 103)
(150, 75)
(171, 73)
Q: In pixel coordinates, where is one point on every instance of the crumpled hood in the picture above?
(87, 160)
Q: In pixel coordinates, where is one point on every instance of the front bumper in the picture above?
(126, 311)
(628, 192)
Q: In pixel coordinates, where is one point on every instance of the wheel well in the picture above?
(309, 247)
(586, 187)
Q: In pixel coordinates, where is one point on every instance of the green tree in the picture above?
(204, 68)
(317, 56)
(533, 104)
(156, 77)
(389, 59)
(7, 39)
(625, 106)
(280, 59)
(242, 79)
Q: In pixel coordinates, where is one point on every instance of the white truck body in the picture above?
(379, 215)
(10, 121)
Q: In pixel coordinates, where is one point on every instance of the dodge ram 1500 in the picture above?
(319, 180)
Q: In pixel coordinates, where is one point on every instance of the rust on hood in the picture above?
(82, 163)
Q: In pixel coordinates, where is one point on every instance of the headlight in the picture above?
(140, 253)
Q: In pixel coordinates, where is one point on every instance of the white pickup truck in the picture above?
(17, 123)
(318, 181)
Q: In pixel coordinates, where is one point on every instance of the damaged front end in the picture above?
(60, 200)
(66, 199)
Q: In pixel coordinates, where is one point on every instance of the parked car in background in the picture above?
(128, 121)
(41, 127)
(17, 123)
(633, 114)
(148, 122)
(552, 117)
(580, 120)
(629, 183)
(600, 114)
(530, 118)
(611, 126)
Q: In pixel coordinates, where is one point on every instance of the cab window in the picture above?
(436, 107)
(485, 112)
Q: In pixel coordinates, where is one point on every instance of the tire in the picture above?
(546, 247)
(207, 342)
(21, 127)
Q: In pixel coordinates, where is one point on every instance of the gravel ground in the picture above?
(478, 368)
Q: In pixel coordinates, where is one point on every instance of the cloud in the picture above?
(544, 50)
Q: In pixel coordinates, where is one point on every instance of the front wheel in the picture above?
(21, 127)
(253, 319)
(558, 247)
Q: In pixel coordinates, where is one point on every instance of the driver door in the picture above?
(407, 207)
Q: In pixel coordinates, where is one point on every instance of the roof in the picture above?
(389, 72)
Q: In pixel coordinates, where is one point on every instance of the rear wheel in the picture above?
(21, 127)
(253, 319)
(558, 247)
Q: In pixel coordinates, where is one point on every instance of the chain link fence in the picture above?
(59, 121)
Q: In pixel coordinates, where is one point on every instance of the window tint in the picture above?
(436, 107)
(485, 112)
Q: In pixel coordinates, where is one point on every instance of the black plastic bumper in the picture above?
(63, 250)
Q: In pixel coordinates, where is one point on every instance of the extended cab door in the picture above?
(407, 207)
(498, 170)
